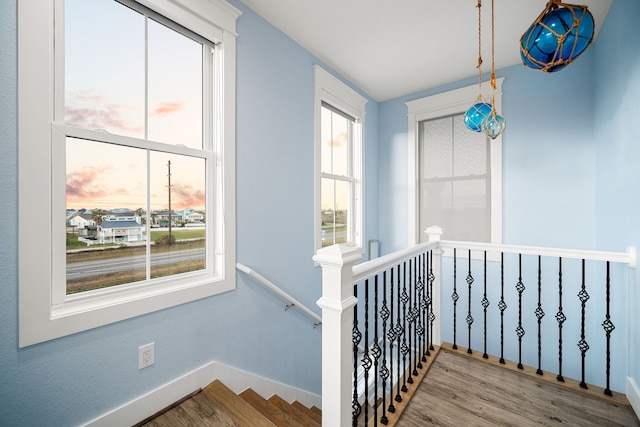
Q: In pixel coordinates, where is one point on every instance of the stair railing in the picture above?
(291, 302)
(382, 318)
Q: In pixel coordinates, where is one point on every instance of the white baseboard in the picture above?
(633, 395)
(237, 380)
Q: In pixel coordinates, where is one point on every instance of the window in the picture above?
(126, 130)
(455, 175)
(339, 118)
(454, 179)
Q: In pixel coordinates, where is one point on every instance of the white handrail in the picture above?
(291, 301)
(628, 257)
(377, 265)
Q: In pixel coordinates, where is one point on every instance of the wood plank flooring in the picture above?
(459, 391)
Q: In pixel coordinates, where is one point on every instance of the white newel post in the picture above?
(435, 233)
(337, 301)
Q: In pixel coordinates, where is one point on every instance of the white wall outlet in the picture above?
(146, 355)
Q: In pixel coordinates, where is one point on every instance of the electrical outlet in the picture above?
(146, 355)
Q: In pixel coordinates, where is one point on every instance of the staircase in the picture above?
(218, 406)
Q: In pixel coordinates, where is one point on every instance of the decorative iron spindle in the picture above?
(539, 314)
(502, 306)
(432, 316)
(424, 305)
(405, 349)
(391, 338)
(421, 310)
(485, 304)
(469, 317)
(560, 317)
(376, 350)
(399, 334)
(356, 337)
(608, 328)
(366, 360)
(582, 344)
(410, 321)
(455, 298)
(384, 371)
(416, 315)
(520, 330)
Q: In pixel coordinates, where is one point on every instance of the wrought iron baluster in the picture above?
(432, 316)
(455, 298)
(502, 306)
(469, 317)
(409, 317)
(560, 317)
(414, 316)
(608, 328)
(392, 337)
(366, 360)
(405, 349)
(384, 371)
(539, 314)
(377, 352)
(582, 344)
(485, 304)
(356, 337)
(520, 330)
(399, 334)
(420, 312)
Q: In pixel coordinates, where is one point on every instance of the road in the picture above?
(78, 270)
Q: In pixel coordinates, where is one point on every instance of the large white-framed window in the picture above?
(460, 172)
(339, 114)
(126, 118)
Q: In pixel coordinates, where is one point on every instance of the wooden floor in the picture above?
(459, 391)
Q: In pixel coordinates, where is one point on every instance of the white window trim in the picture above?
(39, 318)
(441, 105)
(334, 92)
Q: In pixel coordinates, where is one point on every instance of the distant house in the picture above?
(119, 230)
(82, 221)
(190, 215)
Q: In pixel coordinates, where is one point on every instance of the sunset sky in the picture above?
(105, 90)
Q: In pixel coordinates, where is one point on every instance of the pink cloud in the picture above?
(81, 184)
(166, 108)
(90, 110)
(184, 196)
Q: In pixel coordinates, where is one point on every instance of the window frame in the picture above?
(44, 313)
(329, 90)
(441, 105)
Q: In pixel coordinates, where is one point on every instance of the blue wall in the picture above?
(617, 109)
(548, 158)
(74, 379)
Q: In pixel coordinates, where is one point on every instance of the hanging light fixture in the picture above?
(494, 124)
(558, 36)
(481, 108)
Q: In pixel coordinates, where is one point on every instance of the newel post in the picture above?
(435, 233)
(337, 303)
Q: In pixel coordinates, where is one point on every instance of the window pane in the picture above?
(454, 181)
(175, 87)
(104, 67)
(105, 200)
(335, 136)
(178, 201)
(335, 212)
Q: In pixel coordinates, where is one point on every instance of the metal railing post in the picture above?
(337, 303)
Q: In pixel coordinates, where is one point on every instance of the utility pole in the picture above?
(169, 188)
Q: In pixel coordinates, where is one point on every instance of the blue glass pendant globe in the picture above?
(494, 125)
(475, 116)
(553, 42)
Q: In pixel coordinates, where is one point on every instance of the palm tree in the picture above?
(98, 216)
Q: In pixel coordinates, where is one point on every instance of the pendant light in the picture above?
(481, 108)
(560, 34)
(494, 124)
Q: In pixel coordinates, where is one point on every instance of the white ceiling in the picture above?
(390, 48)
